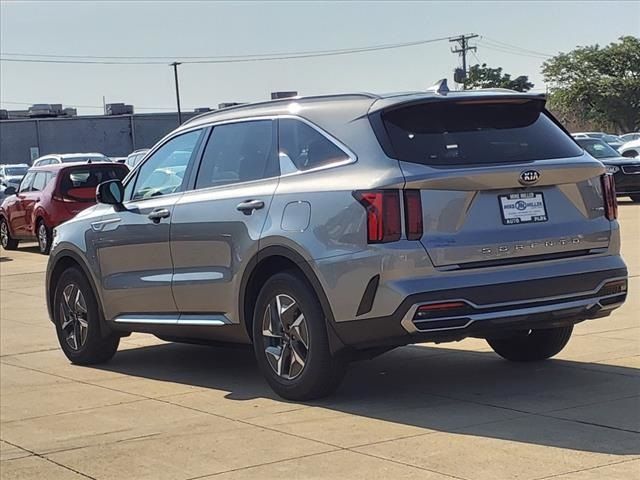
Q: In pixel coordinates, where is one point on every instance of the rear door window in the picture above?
(79, 184)
(305, 146)
(238, 152)
(474, 132)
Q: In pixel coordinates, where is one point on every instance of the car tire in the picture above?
(43, 234)
(290, 340)
(635, 198)
(77, 319)
(533, 345)
(7, 242)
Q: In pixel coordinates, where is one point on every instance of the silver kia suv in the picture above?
(323, 229)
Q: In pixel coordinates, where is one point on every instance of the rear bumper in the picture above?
(493, 310)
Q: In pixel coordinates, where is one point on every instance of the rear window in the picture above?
(475, 132)
(81, 183)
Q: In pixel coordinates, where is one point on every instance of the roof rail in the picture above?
(279, 101)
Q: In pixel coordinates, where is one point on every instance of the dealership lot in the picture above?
(171, 411)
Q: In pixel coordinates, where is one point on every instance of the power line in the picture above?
(511, 52)
(515, 47)
(167, 109)
(261, 57)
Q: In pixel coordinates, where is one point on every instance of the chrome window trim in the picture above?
(352, 157)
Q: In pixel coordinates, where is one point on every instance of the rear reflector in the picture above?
(413, 214)
(442, 309)
(383, 214)
(441, 306)
(609, 196)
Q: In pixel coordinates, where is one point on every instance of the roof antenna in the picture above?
(440, 87)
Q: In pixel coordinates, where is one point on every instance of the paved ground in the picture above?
(165, 411)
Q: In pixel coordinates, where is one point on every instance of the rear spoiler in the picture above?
(479, 96)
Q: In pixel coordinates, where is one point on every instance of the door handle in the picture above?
(249, 206)
(158, 214)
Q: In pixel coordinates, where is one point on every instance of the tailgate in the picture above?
(500, 180)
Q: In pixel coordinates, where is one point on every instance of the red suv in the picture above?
(48, 196)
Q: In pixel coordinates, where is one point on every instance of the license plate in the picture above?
(525, 207)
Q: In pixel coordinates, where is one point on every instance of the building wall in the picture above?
(114, 136)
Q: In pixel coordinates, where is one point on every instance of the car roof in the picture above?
(71, 155)
(349, 104)
(55, 167)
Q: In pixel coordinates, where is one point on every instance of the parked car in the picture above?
(625, 171)
(326, 228)
(630, 149)
(628, 137)
(136, 157)
(611, 140)
(118, 159)
(49, 196)
(11, 175)
(53, 159)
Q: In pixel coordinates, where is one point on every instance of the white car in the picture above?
(630, 149)
(628, 137)
(54, 158)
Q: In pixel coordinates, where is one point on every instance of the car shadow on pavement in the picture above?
(447, 390)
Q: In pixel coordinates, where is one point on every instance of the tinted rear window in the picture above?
(469, 133)
(90, 177)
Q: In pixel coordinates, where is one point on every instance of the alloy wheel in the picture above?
(42, 237)
(286, 337)
(73, 315)
(4, 234)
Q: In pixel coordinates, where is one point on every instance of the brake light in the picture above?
(413, 214)
(383, 214)
(609, 195)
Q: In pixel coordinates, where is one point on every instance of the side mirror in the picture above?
(10, 191)
(110, 192)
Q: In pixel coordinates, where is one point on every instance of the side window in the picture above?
(306, 147)
(164, 172)
(25, 185)
(39, 182)
(238, 152)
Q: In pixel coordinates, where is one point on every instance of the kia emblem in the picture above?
(529, 177)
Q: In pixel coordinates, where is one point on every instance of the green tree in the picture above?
(481, 76)
(598, 85)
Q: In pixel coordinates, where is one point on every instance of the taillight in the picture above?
(609, 195)
(413, 214)
(383, 214)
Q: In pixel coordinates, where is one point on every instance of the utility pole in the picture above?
(175, 76)
(463, 41)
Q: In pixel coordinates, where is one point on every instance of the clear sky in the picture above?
(172, 28)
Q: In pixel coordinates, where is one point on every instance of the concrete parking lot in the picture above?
(168, 411)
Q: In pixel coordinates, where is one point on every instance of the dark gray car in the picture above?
(322, 229)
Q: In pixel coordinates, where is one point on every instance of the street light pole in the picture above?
(175, 76)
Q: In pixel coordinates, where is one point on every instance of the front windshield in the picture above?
(15, 171)
(611, 138)
(598, 149)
